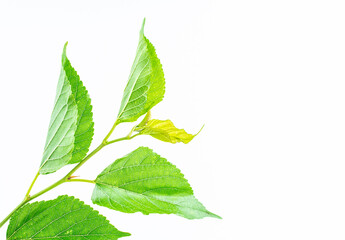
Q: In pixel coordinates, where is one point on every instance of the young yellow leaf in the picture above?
(165, 130)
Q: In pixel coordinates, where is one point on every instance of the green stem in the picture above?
(81, 180)
(32, 184)
(9, 215)
(62, 180)
(84, 160)
(123, 138)
(66, 178)
(26, 200)
(131, 132)
(110, 132)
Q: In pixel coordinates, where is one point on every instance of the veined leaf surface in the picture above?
(144, 182)
(165, 130)
(146, 84)
(64, 218)
(71, 127)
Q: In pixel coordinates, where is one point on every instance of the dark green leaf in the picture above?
(64, 218)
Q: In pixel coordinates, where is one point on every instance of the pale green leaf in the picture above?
(146, 84)
(64, 218)
(165, 130)
(145, 120)
(144, 182)
(71, 127)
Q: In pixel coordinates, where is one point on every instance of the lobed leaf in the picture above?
(146, 84)
(71, 126)
(144, 182)
(64, 218)
(165, 130)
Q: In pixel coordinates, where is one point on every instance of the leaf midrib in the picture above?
(154, 198)
(141, 194)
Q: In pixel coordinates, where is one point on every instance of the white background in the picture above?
(266, 78)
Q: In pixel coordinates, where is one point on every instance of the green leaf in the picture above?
(144, 182)
(64, 218)
(165, 130)
(71, 127)
(145, 120)
(146, 84)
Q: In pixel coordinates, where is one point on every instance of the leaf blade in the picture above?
(146, 85)
(166, 131)
(70, 130)
(85, 125)
(144, 182)
(63, 218)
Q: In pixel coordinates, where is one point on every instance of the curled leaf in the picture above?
(165, 130)
(145, 119)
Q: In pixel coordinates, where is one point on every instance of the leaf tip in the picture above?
(64, 56)
(65, 47)
(199, 130)
(193, 136)
(215, 216)
(126, 234)
(142, 27)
